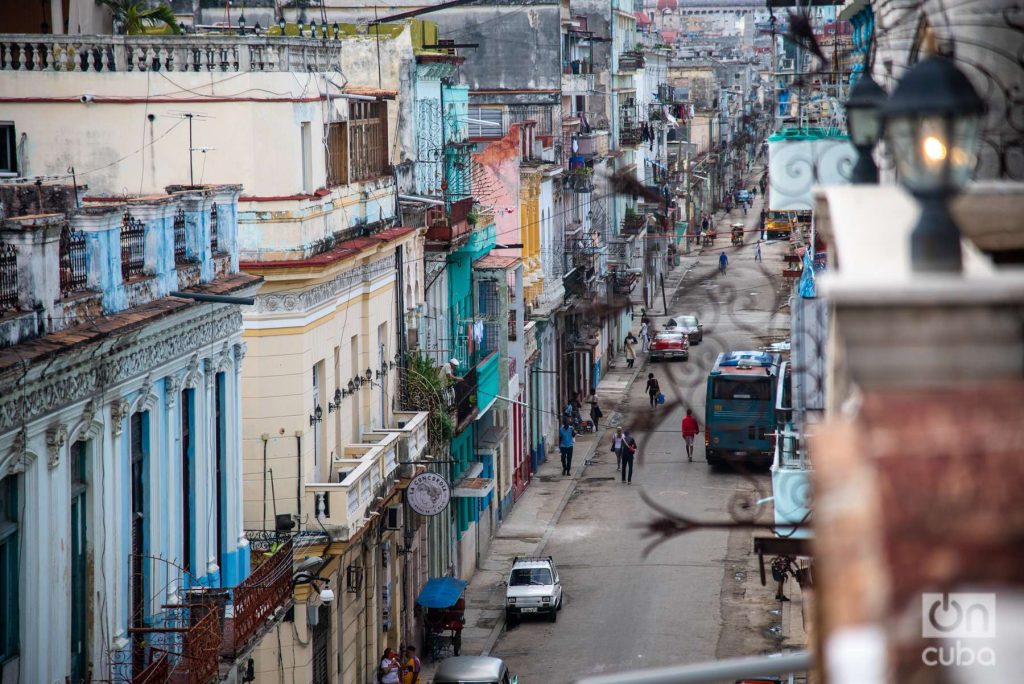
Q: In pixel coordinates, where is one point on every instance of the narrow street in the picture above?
(694, 597)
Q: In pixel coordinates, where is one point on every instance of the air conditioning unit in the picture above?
(393, 518)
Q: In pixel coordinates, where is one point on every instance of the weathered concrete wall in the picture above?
(519, 45)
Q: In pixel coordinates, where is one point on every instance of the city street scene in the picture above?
(511, 342)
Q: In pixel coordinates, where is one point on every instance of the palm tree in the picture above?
(135, 16)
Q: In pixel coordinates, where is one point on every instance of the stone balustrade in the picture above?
(169, 53)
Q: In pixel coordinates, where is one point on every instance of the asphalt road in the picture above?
(623, 610)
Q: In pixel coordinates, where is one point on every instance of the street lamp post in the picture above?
(864, 120)
(933, 122)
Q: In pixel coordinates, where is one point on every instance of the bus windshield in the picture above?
(758, 389)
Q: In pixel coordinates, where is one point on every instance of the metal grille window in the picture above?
(488, 299)
(214, 244)
(486, 122)
(180, 253)
(133, 246)
(8, 277)
(543, 116)
(72, 260)
(10, 599)
(367, 140)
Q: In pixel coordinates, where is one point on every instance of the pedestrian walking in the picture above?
(744, 208)
(757, 251)
(690, 430)
(782, 566)
(645, 336)
(595, 412)
(628, 456)
(411, 667)
(723, 263)
(566, 438)
(753, 192)
(653, 389)
(617, 447)
(630, 351)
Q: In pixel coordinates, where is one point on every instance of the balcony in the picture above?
(631, 129)
(359, 474)
(165, 53)
(580, 180)
(592, 145)
(576, 83)
(195, 631)
(465, 398)
(449, 228)
(631, 60)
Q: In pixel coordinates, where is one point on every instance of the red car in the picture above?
(670, 344)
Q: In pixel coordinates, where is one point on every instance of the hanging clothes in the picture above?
(478, 332)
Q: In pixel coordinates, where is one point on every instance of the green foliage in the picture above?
(136, 16)
(423, 389)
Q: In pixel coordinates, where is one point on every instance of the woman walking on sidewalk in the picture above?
(617, 441)
(690, 430)
(630, 351)
(645, 336)
(653, 389)
(566, 438)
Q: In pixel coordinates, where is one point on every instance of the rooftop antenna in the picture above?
(191, 150)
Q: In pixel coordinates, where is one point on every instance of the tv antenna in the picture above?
(191, 149)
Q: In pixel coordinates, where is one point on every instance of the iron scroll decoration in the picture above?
(428, 494)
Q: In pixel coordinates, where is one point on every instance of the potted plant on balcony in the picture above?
(472, 217)
(133, 17)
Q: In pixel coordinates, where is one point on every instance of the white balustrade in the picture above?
(171, 53)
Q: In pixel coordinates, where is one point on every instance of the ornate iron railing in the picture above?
(73, 272)
(214, 240)
(133, 246)
(180, 238)
(8, 277)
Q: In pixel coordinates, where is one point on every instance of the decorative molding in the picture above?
(119, 410)
(193, 377)
(171, 390)
(318, 294)
(146, 399)
(89, 412)
(56, 438)
(77, 381)
(240, 348)
(18, 457)
(210, 372)
(224, 358)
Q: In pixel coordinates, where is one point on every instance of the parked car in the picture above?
(474, 670)
(742, 196)
(688, 323)
(670, 344)
(533, 587)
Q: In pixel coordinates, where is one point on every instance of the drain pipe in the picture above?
(299, 479)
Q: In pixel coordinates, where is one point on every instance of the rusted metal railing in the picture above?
(157, 672)
(259, 595)
(180, 238)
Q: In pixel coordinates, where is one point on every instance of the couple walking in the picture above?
(624, 447)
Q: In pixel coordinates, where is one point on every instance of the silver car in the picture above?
(474, 670)
(688, 323)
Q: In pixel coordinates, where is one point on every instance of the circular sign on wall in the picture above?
(428, 493)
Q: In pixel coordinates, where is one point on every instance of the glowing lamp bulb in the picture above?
(934, 150)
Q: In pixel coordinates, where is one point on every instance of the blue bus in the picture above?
(739, 417)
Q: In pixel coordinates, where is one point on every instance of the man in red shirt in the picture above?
(690, 430)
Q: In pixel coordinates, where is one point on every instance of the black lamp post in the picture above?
(864, 120)
(281, 24)
(933, 123)
(241, 23)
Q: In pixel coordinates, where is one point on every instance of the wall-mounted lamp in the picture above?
(318, 415)
(281, 25)
(336, 30)
(351, 387)
(241, 23)
(312, 28)
(369, 374)
(302, 27)
(336, 404)
(353, 578)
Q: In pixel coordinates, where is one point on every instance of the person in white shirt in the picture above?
(617, 448)
(390, 667)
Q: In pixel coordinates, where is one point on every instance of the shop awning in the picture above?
(441, 592)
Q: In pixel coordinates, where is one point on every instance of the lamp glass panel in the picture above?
(920, 149)
(963, 154)
(865, 125)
